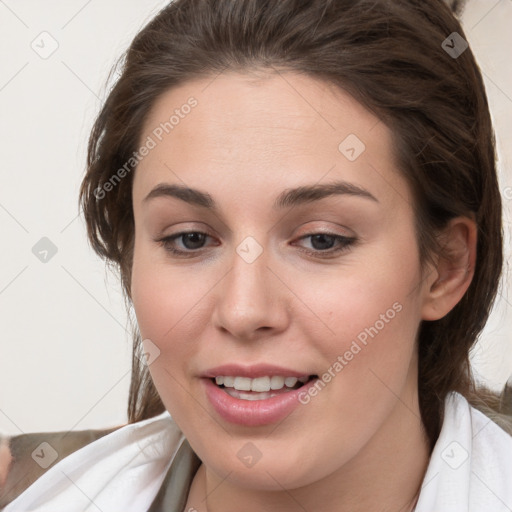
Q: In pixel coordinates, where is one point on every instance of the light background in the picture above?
(65, 348)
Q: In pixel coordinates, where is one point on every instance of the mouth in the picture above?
(260, 388)
(257, 394)
(256, 400)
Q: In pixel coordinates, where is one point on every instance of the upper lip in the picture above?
(253, 371)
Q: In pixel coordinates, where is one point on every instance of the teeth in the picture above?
(277, 382)
(260, 384)
(241, 395)
(290, 381)
(242, 383)
(229, 382)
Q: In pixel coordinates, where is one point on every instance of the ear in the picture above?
(454, 268)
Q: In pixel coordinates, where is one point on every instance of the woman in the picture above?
(302, 201)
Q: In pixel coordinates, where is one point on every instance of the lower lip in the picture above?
(254, 413)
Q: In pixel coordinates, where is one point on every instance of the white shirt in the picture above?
(470, 469)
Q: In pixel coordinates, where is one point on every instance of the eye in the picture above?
(324, 244)
(191, 241)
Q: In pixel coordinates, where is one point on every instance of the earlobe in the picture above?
(454, 269)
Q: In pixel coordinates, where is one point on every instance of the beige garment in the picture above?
(18, 455)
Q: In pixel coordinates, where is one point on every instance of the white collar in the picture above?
(122, 470)
(470, 469)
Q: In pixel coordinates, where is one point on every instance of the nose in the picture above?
(251, 299)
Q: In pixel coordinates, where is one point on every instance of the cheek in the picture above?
(164, 306)
(170, 303)
(372, 315)
(371, 355)
(165, 297)
(362, 305)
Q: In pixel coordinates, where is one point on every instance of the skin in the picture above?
(359, 444)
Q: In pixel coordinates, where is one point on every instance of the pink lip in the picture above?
(253, 371)
(253, 413)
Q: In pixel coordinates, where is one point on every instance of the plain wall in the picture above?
(65, 358)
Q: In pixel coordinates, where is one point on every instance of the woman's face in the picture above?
(304, 263)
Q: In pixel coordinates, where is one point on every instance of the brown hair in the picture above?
(389, 56)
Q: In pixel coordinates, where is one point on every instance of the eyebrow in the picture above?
(289, 197)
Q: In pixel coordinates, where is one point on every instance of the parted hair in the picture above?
(389, 55)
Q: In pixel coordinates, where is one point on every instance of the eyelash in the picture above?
(346, 244)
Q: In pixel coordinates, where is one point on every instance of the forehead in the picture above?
(273, 131)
